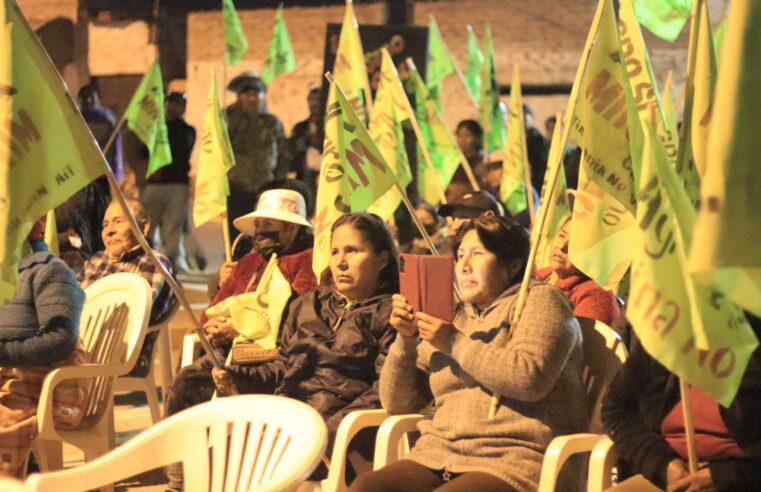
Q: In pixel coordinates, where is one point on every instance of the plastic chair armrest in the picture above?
(601, 463)
(560, 449)
(389, 435)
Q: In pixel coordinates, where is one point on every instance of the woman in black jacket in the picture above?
(641, 415)
(335, 337)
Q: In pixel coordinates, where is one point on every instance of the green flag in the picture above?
(726, 251)
(145, 117)
(236, 44)
(441, 144)
(214, 162)
(47, 153)
(473, 65)
(440, 63)
(390, 109)
(353, 174)
(280, 57)
(692, 330)
(664, 18)
(491, 116)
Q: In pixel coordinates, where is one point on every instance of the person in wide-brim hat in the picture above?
(248, 80)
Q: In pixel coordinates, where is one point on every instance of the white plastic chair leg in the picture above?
(190, 349)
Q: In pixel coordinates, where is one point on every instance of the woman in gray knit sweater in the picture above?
(460, 365)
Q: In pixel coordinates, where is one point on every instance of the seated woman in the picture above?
(642, 414)
(38, 332)
(535, 365)
(587, 298)
(335, 337)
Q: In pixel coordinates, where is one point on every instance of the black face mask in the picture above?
(266, 243)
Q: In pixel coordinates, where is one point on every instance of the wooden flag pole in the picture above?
(521, 301)
(410, 208)
(226, 237)
(689, 425)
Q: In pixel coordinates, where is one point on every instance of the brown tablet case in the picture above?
(426, 283)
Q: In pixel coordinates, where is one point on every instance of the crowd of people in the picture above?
(349, 340)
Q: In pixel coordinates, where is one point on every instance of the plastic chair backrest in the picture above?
(111, 329)
(238, 443)
(604, 352)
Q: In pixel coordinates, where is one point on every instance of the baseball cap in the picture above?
(471, 205)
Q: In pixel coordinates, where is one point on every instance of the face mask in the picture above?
(266, 243)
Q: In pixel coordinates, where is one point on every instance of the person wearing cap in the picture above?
(258, 141)
(470, 205)
(166, 193)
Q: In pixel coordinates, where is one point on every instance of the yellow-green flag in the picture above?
(236, 44)
(350, 70)
(280, 58)
(145, 117)
(668, 111)
(216, 159)
(559, 210)
(491, 116)
(389, 111)
(725, 251)
(353, 174)
(47, 152)
(512, 190)
(441, 144)
(257, 315)
(692, 330)
(51, 233)
(664, 18)
(602, 227)
(473, 65)
(440, 62)
(701, 80)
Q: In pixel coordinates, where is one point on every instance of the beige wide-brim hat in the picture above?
(285, 205)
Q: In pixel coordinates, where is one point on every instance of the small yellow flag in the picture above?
(353, 174)
(257, 315)
(47, 152)
(389, 111)
(216, 160)
(512, 190)
(350, 70)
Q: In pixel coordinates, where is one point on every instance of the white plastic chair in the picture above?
(604, 353)
(239, 443)
(111, 329)
(12, 485)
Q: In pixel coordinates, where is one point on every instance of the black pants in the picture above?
(409, 476)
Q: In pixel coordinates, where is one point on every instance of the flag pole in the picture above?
(689, 425)
(410, 208)
(226, 237)
(520, 303)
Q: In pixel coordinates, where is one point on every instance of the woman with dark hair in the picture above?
(535, 365)
(335, 337)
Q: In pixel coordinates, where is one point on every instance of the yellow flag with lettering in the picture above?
(512, 189)
(726, 250)
(257, 315)
(692, 330)
(47, 152)
(350, 70)
(559, 210)
(353, 174)
(216, 159)
(601, 243)
(389, 111)
(701, 81)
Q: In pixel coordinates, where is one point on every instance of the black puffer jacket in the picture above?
(331, 355)
(644, 392)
